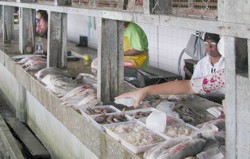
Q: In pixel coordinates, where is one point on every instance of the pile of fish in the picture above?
(77, 93)
(20, 57)
(87, 79)
(50, 71)
(80, 97)
(176, 149)
(33, 63)
(58, 84)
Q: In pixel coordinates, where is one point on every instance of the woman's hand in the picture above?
(139, 95)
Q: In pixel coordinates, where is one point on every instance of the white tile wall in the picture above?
(165, 44)
(82, 25)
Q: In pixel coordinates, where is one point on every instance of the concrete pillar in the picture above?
(57, 40)
(27, 27)
(8, 24)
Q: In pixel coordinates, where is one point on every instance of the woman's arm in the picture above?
(205, 85)
(173, 87)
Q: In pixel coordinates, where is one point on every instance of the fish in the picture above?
(19, 57)
(156, 151)
(26, 59)
(51, 71)
(36, 66)
(185, 149)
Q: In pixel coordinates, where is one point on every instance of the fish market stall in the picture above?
(110, 131)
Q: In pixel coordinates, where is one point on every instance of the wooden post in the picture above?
(110, 59)
(243, 115)
(8, 24)
(57, 40)
(27, 26)
(248, 54)
(231, 103)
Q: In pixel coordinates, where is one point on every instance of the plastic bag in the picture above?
(167, 108)
(212, 153)
(156, 121)
(129, 102)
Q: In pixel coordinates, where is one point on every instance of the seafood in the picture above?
(155, 151)
(58, 80)
(141, 114)
(52, 71)
(143, 138)
(36, 66)
(185, 149)
(127, 128)
(59, 84)
(86, 99)
(108, 119)
(188, 115)
(178, 131)
(58, 90)
(29, 58)
(85, 78)
(80, 97)
(33, 63)
(175, 98)
(94, 64)
(219, 123)
(76, 95)
(94, 111)
(78, 91)
(89, 100)
(20, 57)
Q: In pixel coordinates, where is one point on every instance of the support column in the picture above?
(57, 40)
(231, 102)
(27, 27)
(8, 24)
(110, 59)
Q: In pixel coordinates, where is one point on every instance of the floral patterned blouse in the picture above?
(210, 83)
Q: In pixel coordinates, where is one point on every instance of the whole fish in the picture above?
(52, 71)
